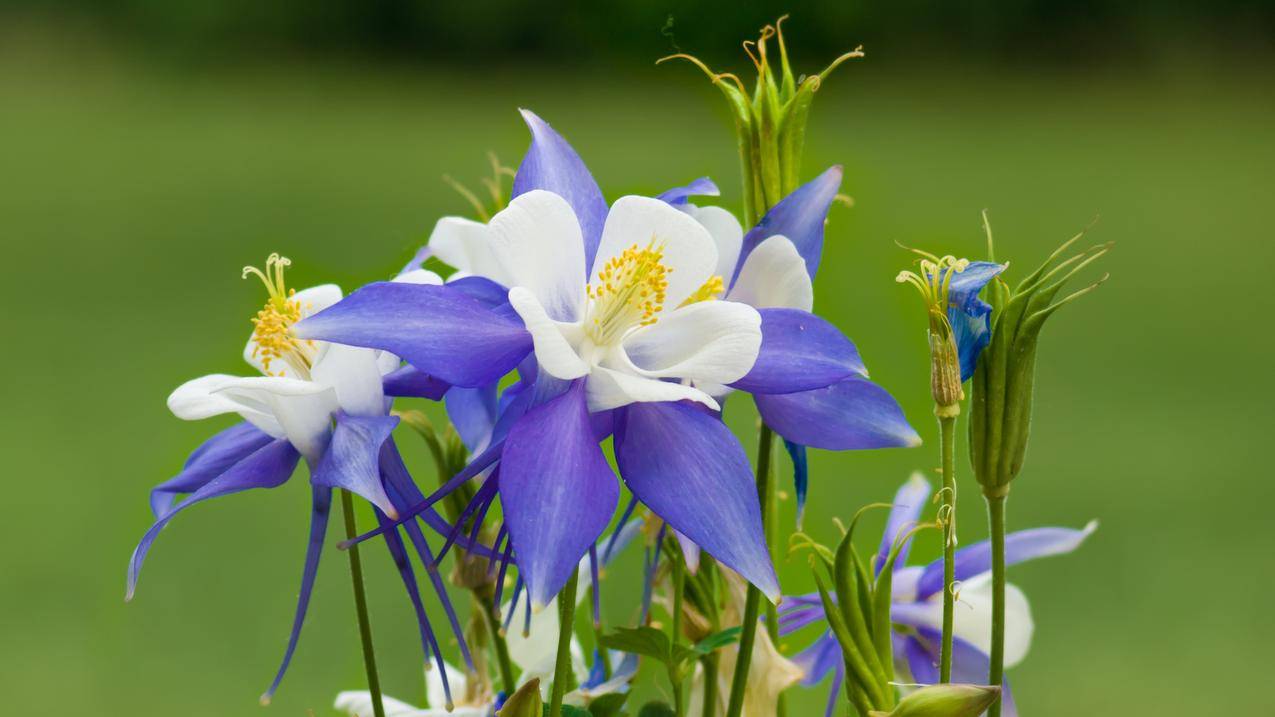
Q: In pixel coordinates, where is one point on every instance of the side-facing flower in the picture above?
(917, 609)
(315, 400)
(610, 318)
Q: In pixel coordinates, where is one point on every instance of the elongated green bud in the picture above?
(1004, 379)
(770, 121)
(944, 701)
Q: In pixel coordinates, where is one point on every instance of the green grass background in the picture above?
(130, 197)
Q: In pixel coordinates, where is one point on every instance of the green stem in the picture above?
(996, 517)
(752, 602)
(709, 663)
(360, 606)
(947, 429)
(486, 597)
(679, 590)
(562, 667)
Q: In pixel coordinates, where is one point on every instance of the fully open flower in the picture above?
(611, 316)
(917, 604)
(314, 400)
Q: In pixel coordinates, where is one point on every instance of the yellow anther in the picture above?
(630, 292)
(711, 289)
(272, 337)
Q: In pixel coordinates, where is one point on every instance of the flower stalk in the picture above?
(360, 606)
(562, 665)
(947, 440)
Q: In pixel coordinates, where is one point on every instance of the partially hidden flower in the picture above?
(315, 400)
(917, 604)
(809, 381)
(611, 319)
(769, 672)
(532, 649)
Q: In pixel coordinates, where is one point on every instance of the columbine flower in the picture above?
(917, 604)
(315, 400)
(958, 320)
(809, 383)
(611, 315)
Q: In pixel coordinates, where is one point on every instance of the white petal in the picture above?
(554, 352)
(688, 248)
(467, 245)
(713, 341)
(312, 300)
(537, 240)
(419, 276)
(199, 398)
(774, 276)
(727, 234)
(973, 618)
(303, 408)
(608, 388)
(355, 376)
(434, 685)
(358, 703)
(536, 651)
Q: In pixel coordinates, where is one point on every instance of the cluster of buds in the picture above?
(1005, 375)
(770, 121)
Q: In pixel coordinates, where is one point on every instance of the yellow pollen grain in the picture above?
(272, 326)
(630, 291)
(710, 290)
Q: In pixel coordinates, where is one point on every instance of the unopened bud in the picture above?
(945, 701)
(945, 368)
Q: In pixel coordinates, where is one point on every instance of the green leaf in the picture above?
(569, 711)
(609, 705)
(645, 641)
(656, 709)
(718, 640)
(525, 702)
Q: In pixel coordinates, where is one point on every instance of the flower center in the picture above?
(629, 293)
(934, 279)
(272, 333)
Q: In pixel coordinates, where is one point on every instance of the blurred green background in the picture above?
(149, 150)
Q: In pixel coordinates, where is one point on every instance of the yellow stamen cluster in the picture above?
(272, 326)
(630, 292)
(934, 278)
(711, 289)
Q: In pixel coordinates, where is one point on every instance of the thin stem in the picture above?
(562, 667)
(709, 663)
(752, 602)
(996, 517)
(486, 597)
(947, 430)
(679, 590)
(360, 606)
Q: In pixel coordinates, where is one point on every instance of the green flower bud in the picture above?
(770, 122)
(1004, 378)
(525, 702)
(944, 701)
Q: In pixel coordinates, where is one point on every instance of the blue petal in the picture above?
(411, 382)
(800, 477)
(702, 187)
(848, 415)
(799, 217)
(473, 412)
(418, 259)
(970, 665)
(921, 662)
(799, 352)
(969, 315)
(320, 508)
(1020, 546)
(557, 491)
(909, 501)
(437, 329)
(210, 460)
(551, 164)
(689, 469)
(352, 459)
(819, 660)
(490, 293)
(267, 467)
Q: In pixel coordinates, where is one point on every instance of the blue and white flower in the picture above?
(917, 604)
